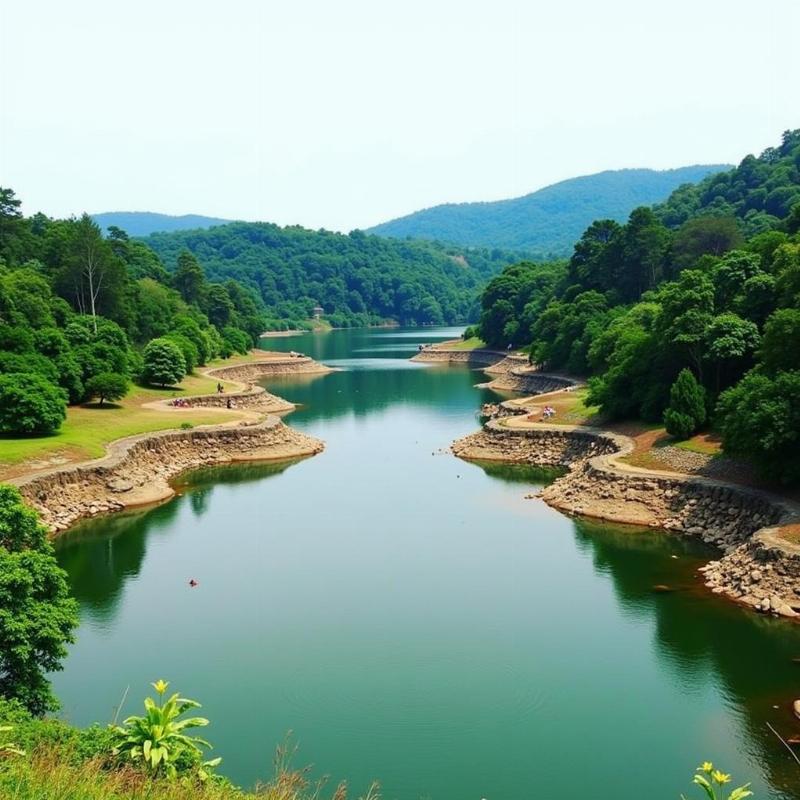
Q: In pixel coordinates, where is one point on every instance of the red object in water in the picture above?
(192, 582)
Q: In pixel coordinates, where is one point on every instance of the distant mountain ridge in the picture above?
(547, 222)
(143, 223)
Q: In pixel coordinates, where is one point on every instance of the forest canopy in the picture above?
(358, 279)
(705, 289)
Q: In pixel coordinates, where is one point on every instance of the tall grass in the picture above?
(50, 774)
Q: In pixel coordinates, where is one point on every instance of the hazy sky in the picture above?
(342, 114)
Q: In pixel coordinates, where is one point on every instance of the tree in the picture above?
(163, 363)
(107, 386)
(29, 403)
(704, 235)
(687, 406)
(37, 615)
(759, 419)
(780, 347)
(189, 279)
(94, 276)
(219, 305)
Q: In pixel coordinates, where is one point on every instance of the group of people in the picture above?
(180, 402)
(547, 412)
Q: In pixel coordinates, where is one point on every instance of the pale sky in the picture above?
(346, 113)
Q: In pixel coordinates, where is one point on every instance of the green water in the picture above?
(413, 619)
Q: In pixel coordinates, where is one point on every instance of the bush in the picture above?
(678, 424)
(470, 332)
(163, 363)
(687, 406)
(30, 404)
(759, 419)
(107, 386)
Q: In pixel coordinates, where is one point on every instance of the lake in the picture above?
(412, 618)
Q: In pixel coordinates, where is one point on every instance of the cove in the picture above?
(412, 618)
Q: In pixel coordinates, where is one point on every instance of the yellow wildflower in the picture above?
(161, 686)
(720, 777)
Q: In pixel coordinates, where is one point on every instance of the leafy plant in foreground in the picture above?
(158, 739)
(710, 780)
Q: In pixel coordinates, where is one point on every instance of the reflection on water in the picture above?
(414, 618)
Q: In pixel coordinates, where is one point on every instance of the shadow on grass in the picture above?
(98, 406)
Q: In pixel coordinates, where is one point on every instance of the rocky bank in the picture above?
(758, 567)
(137, 470)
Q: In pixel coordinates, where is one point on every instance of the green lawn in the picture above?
(88, 429)
(465, 344)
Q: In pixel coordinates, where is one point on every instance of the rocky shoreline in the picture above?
(137, 470)
(758, 568)
(444, 355)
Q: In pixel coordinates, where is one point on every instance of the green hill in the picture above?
(548, 222)
(760, 192)
(358, 279)
(143, 223)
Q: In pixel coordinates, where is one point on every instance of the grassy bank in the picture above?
(90, 428)
(60, 762)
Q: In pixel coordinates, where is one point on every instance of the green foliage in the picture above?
(760, 418)
(780, 346)
(189, 351)
(107, 386)
(687, 406)
(712, 780)
(545, 223)
(678, 290)
(679, 425)
(37, 615)
(357, 279)
(158, 739)
(760, 192)
(29, 403)
(163, 363)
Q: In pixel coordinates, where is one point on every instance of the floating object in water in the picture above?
(662, 587)
(192, 582)
(796, 708)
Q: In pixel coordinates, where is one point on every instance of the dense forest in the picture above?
(81, 315)
(548, 222)
(688, 313)
(356, 278)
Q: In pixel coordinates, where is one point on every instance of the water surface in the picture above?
(414, 619)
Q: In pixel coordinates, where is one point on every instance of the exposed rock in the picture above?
(137, 470)
(758, 568)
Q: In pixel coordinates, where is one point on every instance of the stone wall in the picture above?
(137, 470)
(508, 364)
(476, 358)
(254, 397)
(530, 381)
(758, 567)
(254, 370)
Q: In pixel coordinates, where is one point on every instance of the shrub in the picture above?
(678, 424)
(163, 363)
(759, 419)
(687, 406)
(30, 404)
(107, 386)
